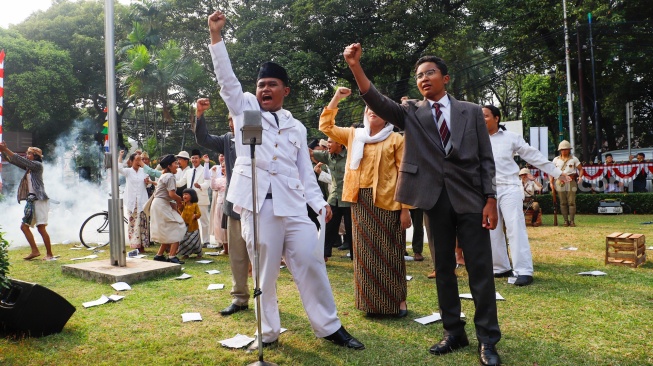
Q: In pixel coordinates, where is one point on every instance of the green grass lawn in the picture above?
(562, 319)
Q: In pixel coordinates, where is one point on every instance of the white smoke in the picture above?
(77, 198)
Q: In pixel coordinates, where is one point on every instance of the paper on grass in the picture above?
(592, 273)
(183, 277)
(212, 246)
(102, 300)
(512, 280)
(216, 286)
(87, 257)
(212, 253)
(469, 296)
(433, 318)
(139, 256)
(212, 271)
(191, 317)
(408, 258)
(239, 341)
(569, 248)
(121, 286)
(204, 261)
(408, 278)
(76, 248)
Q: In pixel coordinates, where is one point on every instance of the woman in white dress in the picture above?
(167, 226)
(135, 198)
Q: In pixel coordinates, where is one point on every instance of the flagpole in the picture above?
(116, 227)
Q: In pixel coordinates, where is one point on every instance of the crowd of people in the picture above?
(438, 163)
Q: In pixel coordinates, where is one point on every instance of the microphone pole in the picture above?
(252, 132)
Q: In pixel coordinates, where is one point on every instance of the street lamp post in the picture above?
(570, 104)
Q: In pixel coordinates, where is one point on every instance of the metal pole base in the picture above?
(262, 363)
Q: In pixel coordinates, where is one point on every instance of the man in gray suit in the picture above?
(448, 153)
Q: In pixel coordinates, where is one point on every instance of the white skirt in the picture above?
(166, 224)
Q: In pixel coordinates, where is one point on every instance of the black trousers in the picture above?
(446, 225)
(417, 216)
(332, 235)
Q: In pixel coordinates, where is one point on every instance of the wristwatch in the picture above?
(488, 196)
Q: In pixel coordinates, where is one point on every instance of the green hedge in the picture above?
(587, 203)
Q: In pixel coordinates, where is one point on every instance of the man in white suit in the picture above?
(194, 178)
(285, 185)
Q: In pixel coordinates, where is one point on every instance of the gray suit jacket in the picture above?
(467, 171)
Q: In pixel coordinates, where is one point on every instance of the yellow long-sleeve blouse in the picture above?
(379, 166)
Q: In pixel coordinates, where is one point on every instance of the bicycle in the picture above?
(94, 232)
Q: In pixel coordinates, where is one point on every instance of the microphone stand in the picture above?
(252, 136)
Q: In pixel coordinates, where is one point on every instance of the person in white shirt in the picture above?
(138, 229)
(194, 178)
(183, 160)
(510, 196)
(285, 185)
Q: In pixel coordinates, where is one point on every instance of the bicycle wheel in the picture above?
(94, 232)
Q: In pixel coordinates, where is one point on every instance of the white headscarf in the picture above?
(362, 137)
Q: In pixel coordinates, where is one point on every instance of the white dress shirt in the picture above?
(505, 145)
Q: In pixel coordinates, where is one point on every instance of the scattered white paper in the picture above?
(282, 267)
(212, 271)
(409, 246)
(216, 286)
(204, 261)
(429, 319)
(469, 296)
(649, 248)
(76, 248)
(408, 278)
(511, 280)
(593, 273)
(214, 254)
(183, 277)
(121, 286)
(434, 318)
(408, 258)
(212, 246)
(239, 341)
(191, 317)
(102, 300)
(569, 248)
(87, 257)
(115, 298)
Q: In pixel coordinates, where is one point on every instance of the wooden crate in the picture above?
(625, 249)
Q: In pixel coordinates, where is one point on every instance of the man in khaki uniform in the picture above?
(570, 165)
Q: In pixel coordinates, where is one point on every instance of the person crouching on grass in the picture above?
(166, 225)
(32, 190)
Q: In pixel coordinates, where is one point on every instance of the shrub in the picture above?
(4, 261)
(588, 203)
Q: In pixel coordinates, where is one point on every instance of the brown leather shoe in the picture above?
(418, 257)
(431, 275)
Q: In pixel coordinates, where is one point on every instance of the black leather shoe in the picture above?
(523, 280)
(233, 308)
(488, 355)
(254, 346)
(503, 274)
(342, 338)
(449, 344)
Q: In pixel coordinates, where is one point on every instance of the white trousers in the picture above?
(510, 211)
(204, 223)
(296, 239)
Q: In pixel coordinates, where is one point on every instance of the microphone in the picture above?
(252, 129)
